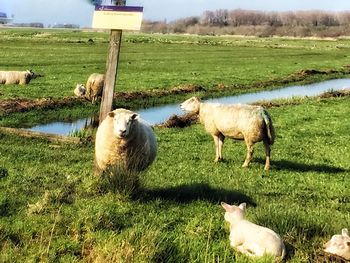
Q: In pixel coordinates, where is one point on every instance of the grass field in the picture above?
(158, 62)
(53, 209)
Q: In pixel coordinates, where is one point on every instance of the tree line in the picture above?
(251, 22)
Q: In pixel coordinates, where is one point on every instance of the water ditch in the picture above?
(157, 115)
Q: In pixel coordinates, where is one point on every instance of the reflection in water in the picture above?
(160, 114)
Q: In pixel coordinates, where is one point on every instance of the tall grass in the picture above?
(119, 179)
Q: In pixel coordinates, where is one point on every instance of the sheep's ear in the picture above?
(242, 206)
(227, 207)
(344, 232)
(111, 114)
(134, 116)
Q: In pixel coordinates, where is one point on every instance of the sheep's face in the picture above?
(123, 123)
(31, 74)
(339, 245)
(80, 90)
(233, 213)
(191, 105)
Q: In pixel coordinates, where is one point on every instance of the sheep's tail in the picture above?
(269, 127)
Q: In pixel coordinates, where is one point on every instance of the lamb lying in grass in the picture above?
(17, 77)
(339, 245)
(249, 238)
(237, 121)
(124, 140)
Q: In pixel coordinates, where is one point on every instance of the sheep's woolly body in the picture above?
(94, 86)
(256, 240)
(237, 121)
(135, 152)
(234, 121)
(15, 77)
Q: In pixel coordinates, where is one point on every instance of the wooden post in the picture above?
(111, 70)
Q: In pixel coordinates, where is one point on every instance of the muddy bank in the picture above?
(21, 105)
(125, 96)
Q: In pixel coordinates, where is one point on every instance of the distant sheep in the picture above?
(249, 238)
(94, 86)
(80, 90)
(237, 121)
(339, 245)
(123, 139)
(17, 77)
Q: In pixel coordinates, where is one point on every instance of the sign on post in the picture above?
(118, 17)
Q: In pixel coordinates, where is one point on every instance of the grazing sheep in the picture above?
(237, 121)
(249, 238)
(94, 86)
(17, 77)
(123, 139)
(80, 90)
(339, 245)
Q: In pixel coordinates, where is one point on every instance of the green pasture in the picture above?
(153, 62)
(53, 209)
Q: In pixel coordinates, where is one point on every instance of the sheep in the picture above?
(237, 121)
(123, 139)
(80, 90)
(17, 77)
(339, 245)
(249, 238)
(94, 86)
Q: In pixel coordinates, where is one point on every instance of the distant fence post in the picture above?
(111, 69)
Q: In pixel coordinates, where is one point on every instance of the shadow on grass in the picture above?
(199, 191)
(302, 167)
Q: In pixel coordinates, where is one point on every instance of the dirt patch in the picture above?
(158, 93)
(324, 257)
(21, 105)
(179, 121)
(334, 94)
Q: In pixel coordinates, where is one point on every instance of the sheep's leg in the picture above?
(267, 153)
(250, 151)
(218, 146)
(245, 251)
(216, 142)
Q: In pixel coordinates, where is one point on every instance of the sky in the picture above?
(80, 11)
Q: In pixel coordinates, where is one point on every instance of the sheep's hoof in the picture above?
(267, 168)
(245, 165)
(218, 160)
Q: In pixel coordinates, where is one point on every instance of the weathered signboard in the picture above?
(117, 17)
